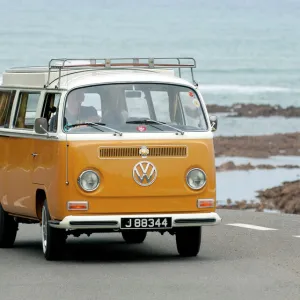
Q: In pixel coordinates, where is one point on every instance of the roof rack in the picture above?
(119, 63)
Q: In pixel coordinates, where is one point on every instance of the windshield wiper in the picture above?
(96, 124)
(150, 121)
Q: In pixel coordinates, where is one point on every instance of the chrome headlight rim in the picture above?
(80, 178)
(187, 181)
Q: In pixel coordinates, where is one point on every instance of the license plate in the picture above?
(146, 223)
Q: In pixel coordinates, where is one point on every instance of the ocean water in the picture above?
(273, 160)
(245, 184)
(246, 52)
(248, 182)
(230, 126)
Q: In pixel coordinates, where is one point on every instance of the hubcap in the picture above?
(44, 229)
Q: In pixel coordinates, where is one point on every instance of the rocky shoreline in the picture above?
(231, 166)
(284, 198)
(254, 110)
(258, 146)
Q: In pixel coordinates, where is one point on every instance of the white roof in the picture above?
(80, 75)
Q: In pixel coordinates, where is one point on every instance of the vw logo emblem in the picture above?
(144, 151)
(144, 173)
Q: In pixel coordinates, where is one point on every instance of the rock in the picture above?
(238, 205)
(289, 166)
(255, 110)
(213, 108)
(264, 166)
(285, 198)
(258, 146)
(229, 166)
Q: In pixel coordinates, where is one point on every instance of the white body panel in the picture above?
(37, 78)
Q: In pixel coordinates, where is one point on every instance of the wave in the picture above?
(248, 70)
(240, 89)
(245, 89)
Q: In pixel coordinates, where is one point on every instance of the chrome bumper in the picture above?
(114, 221)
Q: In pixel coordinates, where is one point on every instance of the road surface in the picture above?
(250, 256)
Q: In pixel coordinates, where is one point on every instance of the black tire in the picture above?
(8, 229)
(188, 241)
(134, 237)
(53, 239)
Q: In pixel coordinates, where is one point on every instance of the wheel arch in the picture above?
(40, 198)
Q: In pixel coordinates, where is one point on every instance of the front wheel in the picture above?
(134, 237)
(53, 239)
(188, 240)
(8, 229)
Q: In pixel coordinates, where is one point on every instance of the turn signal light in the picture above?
(205, 203)
(78, 205)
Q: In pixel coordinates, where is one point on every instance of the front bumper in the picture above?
(114, 221)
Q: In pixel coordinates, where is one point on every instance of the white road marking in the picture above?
(251, 226)
(298, 236)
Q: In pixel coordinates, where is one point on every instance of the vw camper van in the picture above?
(121, 145)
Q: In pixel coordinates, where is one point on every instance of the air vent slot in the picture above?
(154, 151)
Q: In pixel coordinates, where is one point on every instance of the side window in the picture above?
(26, 110)
(50, 110)
(160, 101)
(6, 103)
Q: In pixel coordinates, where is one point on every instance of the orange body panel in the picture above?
(21, 175)
(17, 168)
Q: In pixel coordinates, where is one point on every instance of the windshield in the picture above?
(124, 107)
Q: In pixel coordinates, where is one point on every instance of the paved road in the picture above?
(236, 262)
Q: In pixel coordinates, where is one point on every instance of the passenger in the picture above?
(113, 112)
(75, 112)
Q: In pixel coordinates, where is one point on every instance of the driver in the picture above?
(75, 112)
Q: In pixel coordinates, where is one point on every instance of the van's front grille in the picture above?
(154, 151)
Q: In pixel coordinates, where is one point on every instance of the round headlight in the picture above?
(196, 179)
(89, 180)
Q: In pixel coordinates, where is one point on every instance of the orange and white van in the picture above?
(106, 145)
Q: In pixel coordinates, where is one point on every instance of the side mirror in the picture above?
(213, 122)
(41, 125)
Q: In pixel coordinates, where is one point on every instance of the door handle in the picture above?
(34, 154)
